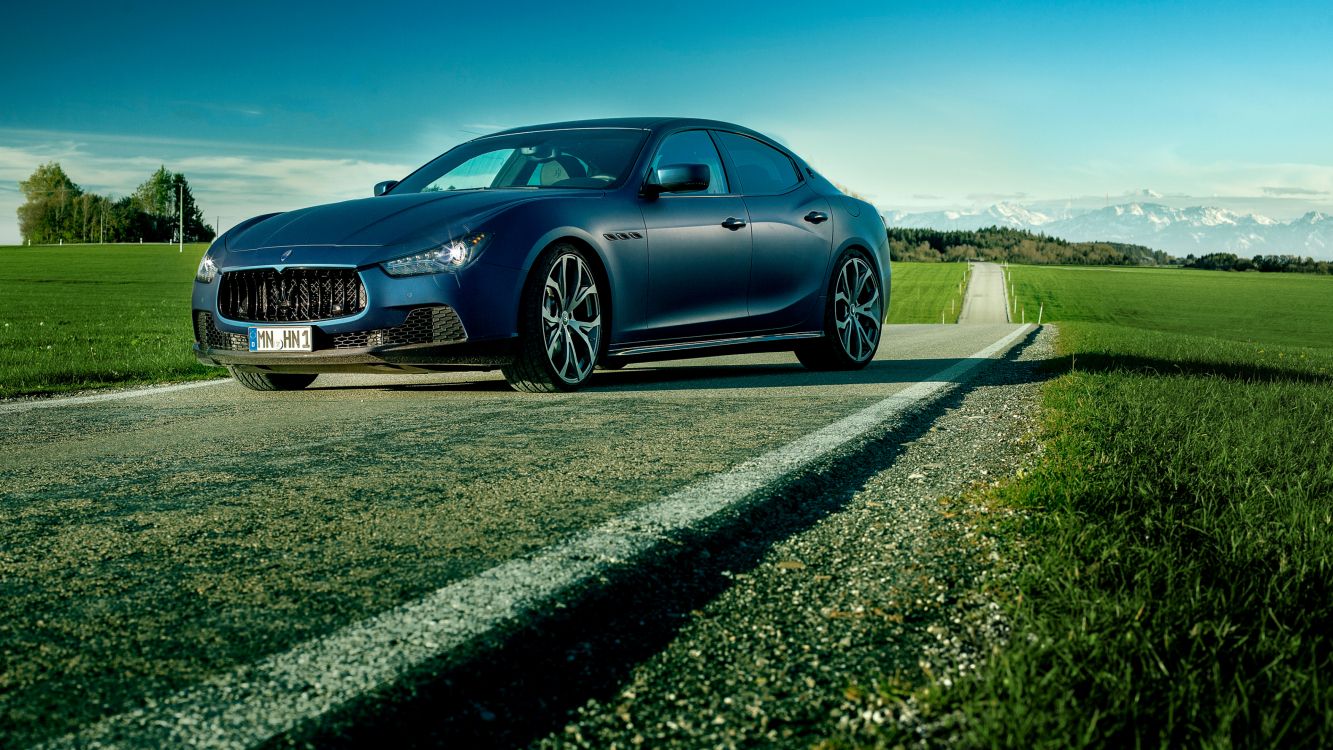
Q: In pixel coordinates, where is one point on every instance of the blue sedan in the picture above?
(549, 251)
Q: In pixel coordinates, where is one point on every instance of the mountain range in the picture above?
(1179, 231)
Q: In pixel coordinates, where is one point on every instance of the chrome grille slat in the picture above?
(264, 295)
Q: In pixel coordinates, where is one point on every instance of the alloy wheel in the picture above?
(571, 318)
(857, 311)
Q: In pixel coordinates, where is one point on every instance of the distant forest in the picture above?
(1016, 246)
(1263, 263)
(1019, 246)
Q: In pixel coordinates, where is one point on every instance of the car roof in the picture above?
(644, 123)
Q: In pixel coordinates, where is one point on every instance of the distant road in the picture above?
(986, 301)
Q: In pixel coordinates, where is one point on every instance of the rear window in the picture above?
(760, 168)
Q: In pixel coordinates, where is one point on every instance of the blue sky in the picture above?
(270, 106)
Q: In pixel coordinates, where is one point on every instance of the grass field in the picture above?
(1174, 588)
(922, 292)
(94, 315)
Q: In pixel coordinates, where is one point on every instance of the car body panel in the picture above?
(698, 270)
(791, 258)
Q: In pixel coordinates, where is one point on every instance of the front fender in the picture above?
(624, 261)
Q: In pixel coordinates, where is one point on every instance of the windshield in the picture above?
(577, 158)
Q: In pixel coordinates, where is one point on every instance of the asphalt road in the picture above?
(150, 543)
(986, 301)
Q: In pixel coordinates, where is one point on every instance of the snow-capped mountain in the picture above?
(1179, 231)
(998, 215)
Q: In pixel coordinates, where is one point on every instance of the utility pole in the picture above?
(181, 202)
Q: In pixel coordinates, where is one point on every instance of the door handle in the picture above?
(816, 217)
(733, 223)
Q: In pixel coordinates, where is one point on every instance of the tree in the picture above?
(47, 215)
(159, 198)
(56, 209)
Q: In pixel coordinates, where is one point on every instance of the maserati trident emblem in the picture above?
(284, 290)
(285, 255)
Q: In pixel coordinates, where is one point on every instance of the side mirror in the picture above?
(678, 178)
(383, 187)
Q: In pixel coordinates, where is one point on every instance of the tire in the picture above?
(853, 318)
(559, 324)
(271, 381)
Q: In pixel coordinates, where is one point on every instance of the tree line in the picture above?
(1261, 263)
(56, 209)
(1016, 246)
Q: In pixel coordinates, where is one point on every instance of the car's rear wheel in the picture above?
(271, 381)
(853, 318)
(559, 325)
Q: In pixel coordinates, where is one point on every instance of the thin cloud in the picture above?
(483, 128)
(1286, 192)
(981, 197)
(39, 138)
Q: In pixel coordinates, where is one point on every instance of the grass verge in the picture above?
(85, 316)
(923, 292)
(1172, 586)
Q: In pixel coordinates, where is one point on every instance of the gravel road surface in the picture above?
(986, 301)
(151, 543)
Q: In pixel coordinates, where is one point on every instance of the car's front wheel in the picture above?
(853, 318)
(271, 381)
(560, 324)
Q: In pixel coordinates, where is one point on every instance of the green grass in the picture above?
(1281, 309)
(922, 292)
(1175, 559)
(85, 316)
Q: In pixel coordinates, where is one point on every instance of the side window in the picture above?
(760, 168)
(694, 147)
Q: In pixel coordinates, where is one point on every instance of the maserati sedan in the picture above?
(550, 251)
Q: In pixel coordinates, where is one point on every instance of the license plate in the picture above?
(280, 339)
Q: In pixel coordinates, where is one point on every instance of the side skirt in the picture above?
(709, 347)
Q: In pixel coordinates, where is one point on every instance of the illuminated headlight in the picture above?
(450, 256)
(208, 270)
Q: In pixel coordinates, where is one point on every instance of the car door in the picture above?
(792, 228)
(698, 249)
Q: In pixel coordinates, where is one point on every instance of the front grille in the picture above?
(424, 325)
(208, 334)
(265, 295)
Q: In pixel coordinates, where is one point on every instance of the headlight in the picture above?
(450, 256)
(208, 270)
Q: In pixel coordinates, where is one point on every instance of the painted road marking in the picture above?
(252, 704)
(48, 403)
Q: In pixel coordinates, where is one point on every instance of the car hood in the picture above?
(390, 220)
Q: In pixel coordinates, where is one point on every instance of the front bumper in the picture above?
(431, 338)
(465, 320)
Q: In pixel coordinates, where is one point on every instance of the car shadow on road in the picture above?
(513, 687)
(738, 376)
(696, 377)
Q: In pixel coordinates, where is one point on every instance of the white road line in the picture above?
(49, 403)
(255, 703)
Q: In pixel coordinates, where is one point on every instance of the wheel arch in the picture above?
(596, 259)
(879, 260)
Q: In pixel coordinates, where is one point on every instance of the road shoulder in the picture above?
(819, 638)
